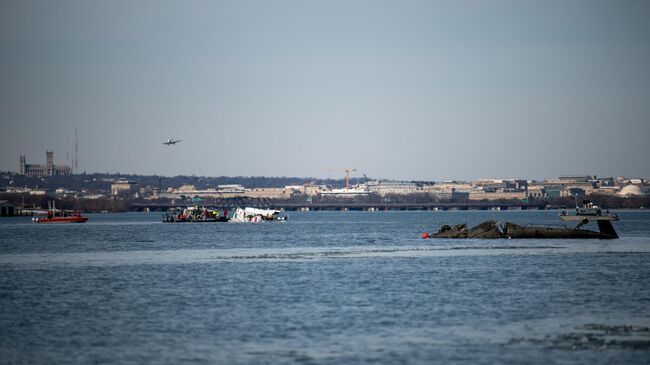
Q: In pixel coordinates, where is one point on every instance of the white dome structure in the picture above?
(632, 190)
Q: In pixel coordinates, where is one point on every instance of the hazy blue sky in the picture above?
(397, 89)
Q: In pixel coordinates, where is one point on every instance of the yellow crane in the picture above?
(347, 175)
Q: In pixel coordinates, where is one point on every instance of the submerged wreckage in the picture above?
(492, 229)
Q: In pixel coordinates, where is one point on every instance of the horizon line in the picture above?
(332, 178)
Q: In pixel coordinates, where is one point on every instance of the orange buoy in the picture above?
(425, 235)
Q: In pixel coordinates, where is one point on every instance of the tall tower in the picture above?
(49, 167)
(75, 167)
(23, 162)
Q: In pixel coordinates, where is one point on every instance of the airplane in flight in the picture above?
(171, 141)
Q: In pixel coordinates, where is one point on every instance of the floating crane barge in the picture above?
(492, 229)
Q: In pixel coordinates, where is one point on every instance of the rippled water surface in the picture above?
(321, 288)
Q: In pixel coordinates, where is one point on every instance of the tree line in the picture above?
(102, 182)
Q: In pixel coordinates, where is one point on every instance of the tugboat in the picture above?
(61, 216)
(583, 215)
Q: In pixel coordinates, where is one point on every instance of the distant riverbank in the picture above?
(396, 203)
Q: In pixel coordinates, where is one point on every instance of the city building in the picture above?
(567, 179)
(345, 193)
(42, 192)
(231, 190)
(496, 195)
(566, 183)
(572, 192)
(49, 169)
(606, 190)
(448, 190)
(383, 188)
(311, 189)
(225, 191)
(122, 187)
(269, 193)
(536, 191)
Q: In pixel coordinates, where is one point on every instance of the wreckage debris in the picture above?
(493, 229)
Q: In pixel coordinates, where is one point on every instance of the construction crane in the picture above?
(347, 175)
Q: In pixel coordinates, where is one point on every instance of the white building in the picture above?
(383, 188)
(122, 187)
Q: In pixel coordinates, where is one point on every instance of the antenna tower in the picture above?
(76, 152)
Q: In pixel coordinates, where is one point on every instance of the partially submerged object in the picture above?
(257, 215)
(202, 214)
(492, 229)
(194, 214)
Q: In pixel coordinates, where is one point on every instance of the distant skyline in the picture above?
(412, 90)
(354, 176)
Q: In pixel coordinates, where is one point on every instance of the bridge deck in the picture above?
(341, 205)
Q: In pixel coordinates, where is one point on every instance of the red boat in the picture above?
(60, 216)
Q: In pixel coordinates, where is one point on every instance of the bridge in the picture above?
(340, 205)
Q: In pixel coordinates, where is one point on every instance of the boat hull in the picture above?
(62, 220)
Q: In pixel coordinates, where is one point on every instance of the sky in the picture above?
(408, 90)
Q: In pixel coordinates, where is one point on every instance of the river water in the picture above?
(321, 288)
